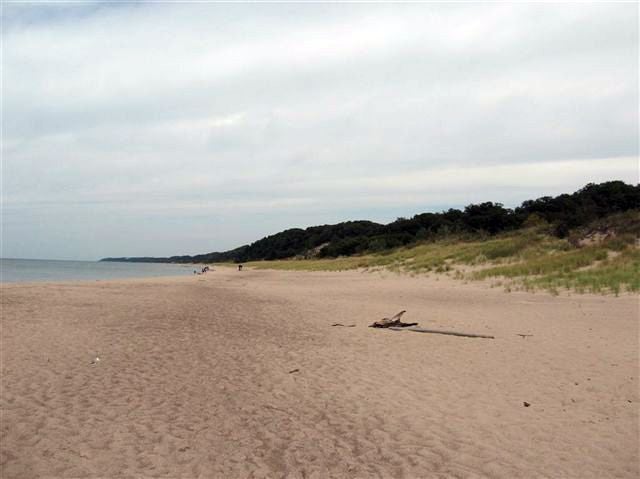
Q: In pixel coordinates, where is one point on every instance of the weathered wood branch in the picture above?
(437, 331)
(392, 321)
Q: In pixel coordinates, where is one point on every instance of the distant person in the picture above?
(239, 267)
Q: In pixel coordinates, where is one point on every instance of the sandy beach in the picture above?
(241, 374)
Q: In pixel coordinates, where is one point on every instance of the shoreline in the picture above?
(236, 374)
(506, 285)
(16, 271)
(382, 274)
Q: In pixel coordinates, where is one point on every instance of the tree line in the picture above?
(562, 213)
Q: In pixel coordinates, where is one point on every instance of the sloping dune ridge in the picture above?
(241, 374)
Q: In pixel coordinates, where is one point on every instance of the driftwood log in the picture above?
(393, 321)
(438, 331)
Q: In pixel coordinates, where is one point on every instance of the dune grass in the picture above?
(621, 273)
(337, 264)
(527, 259)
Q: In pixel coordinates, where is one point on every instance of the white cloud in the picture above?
(286, 110)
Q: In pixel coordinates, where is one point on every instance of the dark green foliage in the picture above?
(567, 212)
(562, 213)
(345, 239)
(490, 217)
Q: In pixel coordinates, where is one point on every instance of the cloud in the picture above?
(300, 112)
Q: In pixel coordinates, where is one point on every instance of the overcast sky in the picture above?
(161, 129)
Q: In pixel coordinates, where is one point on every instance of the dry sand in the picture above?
(195, 379)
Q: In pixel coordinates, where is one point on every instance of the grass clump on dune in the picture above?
(337, 264)
(562, 262)
(618, 274)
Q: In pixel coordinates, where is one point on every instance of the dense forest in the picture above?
(562, 213)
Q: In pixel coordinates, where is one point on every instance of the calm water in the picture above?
(20, 270)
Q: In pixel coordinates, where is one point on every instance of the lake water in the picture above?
(21, 270)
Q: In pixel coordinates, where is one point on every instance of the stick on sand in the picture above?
(436, 331)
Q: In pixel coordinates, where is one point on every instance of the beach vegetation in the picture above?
(530, 258)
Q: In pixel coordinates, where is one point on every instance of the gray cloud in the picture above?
(166, 128)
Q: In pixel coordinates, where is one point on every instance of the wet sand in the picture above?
(240, 374)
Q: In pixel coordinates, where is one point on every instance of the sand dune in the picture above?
(194, 379)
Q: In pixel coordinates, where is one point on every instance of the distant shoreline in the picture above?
(34, 270)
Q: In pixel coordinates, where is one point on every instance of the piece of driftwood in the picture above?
(393, 321)
(525, 336)
(438, 331)
(344, 325)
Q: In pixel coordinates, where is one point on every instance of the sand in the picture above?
(240, 374)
